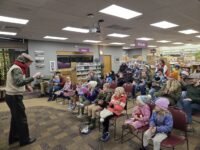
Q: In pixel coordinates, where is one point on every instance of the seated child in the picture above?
(90, 94)
(115, 108)
(140, 115)
(101, 102)
(161, 124)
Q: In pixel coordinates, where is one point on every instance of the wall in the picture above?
(50, 49)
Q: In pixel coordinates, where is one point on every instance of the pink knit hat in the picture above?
(162, 103)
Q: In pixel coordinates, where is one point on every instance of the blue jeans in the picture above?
(188, 107)
(139, 87)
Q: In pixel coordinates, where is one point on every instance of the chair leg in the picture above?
(122, 136)
(115, 126)
(187, 144)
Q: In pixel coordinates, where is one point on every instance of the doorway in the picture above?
(107, 64)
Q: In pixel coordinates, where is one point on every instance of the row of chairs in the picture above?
(174, 139)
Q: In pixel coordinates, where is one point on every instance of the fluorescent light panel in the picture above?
(177, 43)
(13, 20)
(164, 25)
(74, 29)
(145, 39)
(120, 12)
(188, 31)
(163, 41)
(152, 46)
(132, 45)
(55, 38)
(91, 41)
(126, 47)
(8, 33)
(117, 43)
(118, 35)
(198, 36)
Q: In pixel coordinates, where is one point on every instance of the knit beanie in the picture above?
(143, 99)
(24, 58)
(162, 103)
(184, 73)
(93, 84)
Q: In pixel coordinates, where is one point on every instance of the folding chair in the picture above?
(136, 132)
(179, 123)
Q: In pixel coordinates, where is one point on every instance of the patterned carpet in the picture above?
(58, 130)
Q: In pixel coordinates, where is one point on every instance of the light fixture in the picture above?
(55, 38)
(117, 43)
(133, 45)
(13, 20)
(91, 41)
(74, 29)
(188, 44)
(145, 39)
(120, 12)
(177, 43)
(188, 31)
(152, 46)
(126, 47)
(101, 52)
(164, 25)
(163, 41)
(118, 35)
(8, 33)
(198, 36)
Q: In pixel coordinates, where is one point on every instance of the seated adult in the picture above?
(93, 77)
(44, 85)
(172, 90)
(120, 79)
(101, 102)
(191, 102)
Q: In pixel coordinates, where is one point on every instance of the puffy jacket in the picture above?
(117, 104)
(163, 124)
(91, 96)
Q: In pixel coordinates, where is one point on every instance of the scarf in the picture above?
(23, 66)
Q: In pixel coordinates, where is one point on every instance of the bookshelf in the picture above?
(82, 70)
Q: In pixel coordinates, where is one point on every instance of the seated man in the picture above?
(191, 101)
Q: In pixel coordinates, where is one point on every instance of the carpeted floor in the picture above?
(57, 129)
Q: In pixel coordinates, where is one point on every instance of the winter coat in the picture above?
(163, 124)
(92, 95)
(143, 112)
(117, 104)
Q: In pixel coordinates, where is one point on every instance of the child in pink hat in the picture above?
(161, 124)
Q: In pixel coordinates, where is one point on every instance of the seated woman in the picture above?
(191, 102)
(172, 90)
(101, 102)
(115, 108)
(140, 115)
(67, 91)
(89, 96)
(160, 125)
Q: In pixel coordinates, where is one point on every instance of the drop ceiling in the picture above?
(48, 17)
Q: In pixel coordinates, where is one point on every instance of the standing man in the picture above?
(15, 87)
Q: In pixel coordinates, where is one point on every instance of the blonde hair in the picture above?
(119, 91)
(93, 84)
(106, 85)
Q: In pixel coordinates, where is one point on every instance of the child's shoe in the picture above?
(80, 116)
(105, 137)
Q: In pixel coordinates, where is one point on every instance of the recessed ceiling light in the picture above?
(126, 47)
(198, 36)
(120, 12)
(91, 41)
(55, 38)
(177, 43)
(164, 25)
(13, 20)
(145, 39)
(188, 31)
(118, 35)
(132, 45)
(152, 46)
(163, 41)
(8, 33)
(74, 29)
(117, 43)
(188, 44)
